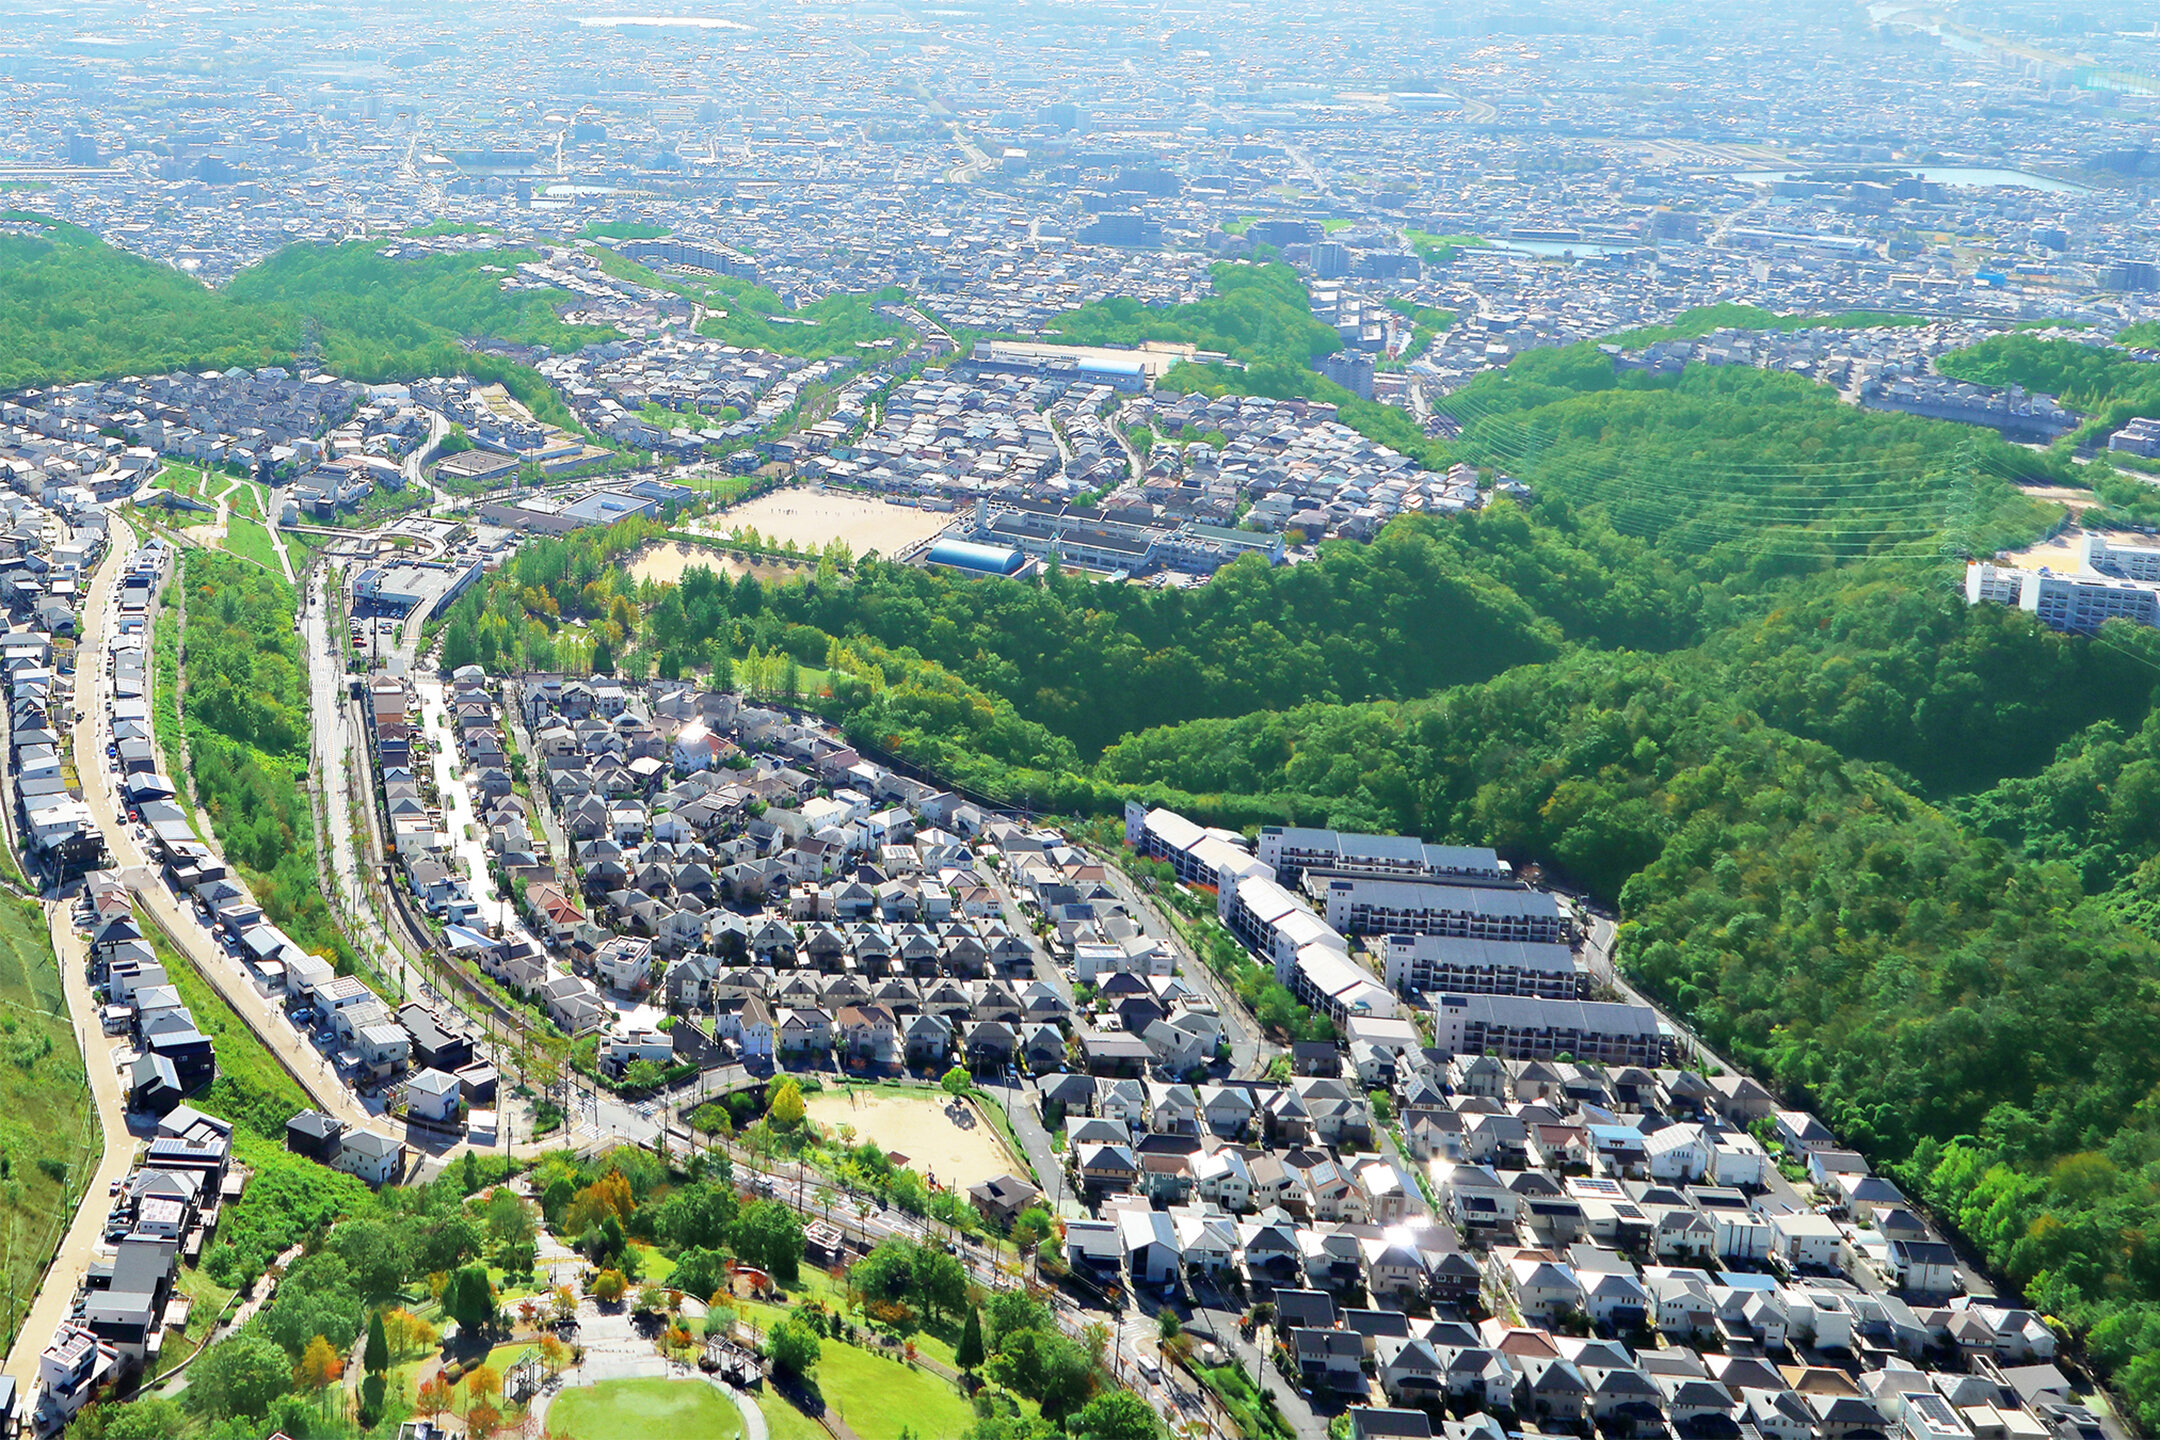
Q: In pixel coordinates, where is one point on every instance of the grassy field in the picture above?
(164, 696)
(181, 479)
(653, 1267)
(209, 1297)
(638, 1409)
(784, 1422)
(879, 1397)
(46, 1124)
(252, 1088)
(250, 540)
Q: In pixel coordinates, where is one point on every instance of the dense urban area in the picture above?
(1036, 722)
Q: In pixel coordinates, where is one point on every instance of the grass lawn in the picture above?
(639, 1409)
(879, 1397)
(653, 1267)
(209, 1297)
(250, 541)
(784, 1422)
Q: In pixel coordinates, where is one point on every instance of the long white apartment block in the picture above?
(1291, 851)
(1359, 906)
(2080, 603)
(1449, 964)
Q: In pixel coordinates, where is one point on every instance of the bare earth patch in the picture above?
(664, 561)
(812, 518)
(923, 1128)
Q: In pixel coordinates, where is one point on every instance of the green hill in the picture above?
(73, 307)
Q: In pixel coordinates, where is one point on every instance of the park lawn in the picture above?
(783, 1421)
(878, 1398)
(653, 1267)
(640, 1409)
(251, 541)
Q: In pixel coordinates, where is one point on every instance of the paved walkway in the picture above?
(87, 1234)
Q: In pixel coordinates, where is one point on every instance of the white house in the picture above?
(433, 1096)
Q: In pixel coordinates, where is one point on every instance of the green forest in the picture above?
(73, 307)
(243, 700)
(1894, 853)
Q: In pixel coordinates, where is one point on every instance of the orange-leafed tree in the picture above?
(320, 1365)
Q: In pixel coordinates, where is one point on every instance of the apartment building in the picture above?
(1453, 965)
(1356, 905)
(2079, 603)
(1291, 851)
(1516, 1027)
(1199, 856)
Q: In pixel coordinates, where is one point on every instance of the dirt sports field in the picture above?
(665, 561)
(922, 1127)
(814, 517)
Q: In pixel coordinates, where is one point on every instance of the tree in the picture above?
(769, 1235)
(609, 1286)
(554, 1355)
(969, 1353)
(319, 1366)
(372, 1390)
(376, 1358)
(509, 1220)
(408, 1334)
(785, 1109)
(957, 1081)
(1032, 1226)
(238, 1376)
(1045, 1367)
(697, 1215)
(377, 1256)
(555, 1200)
(564, 1303)
(1115, 1415)
(482, 1420)
(1167, 1325)
(1012, 1313)
(154, 1417)
(470, 1300)
(482, 1384)
(792, 1346)
(433, 1398)
(701, 1272)
(607, 1198)
(909, 1192)
(940, 1284)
